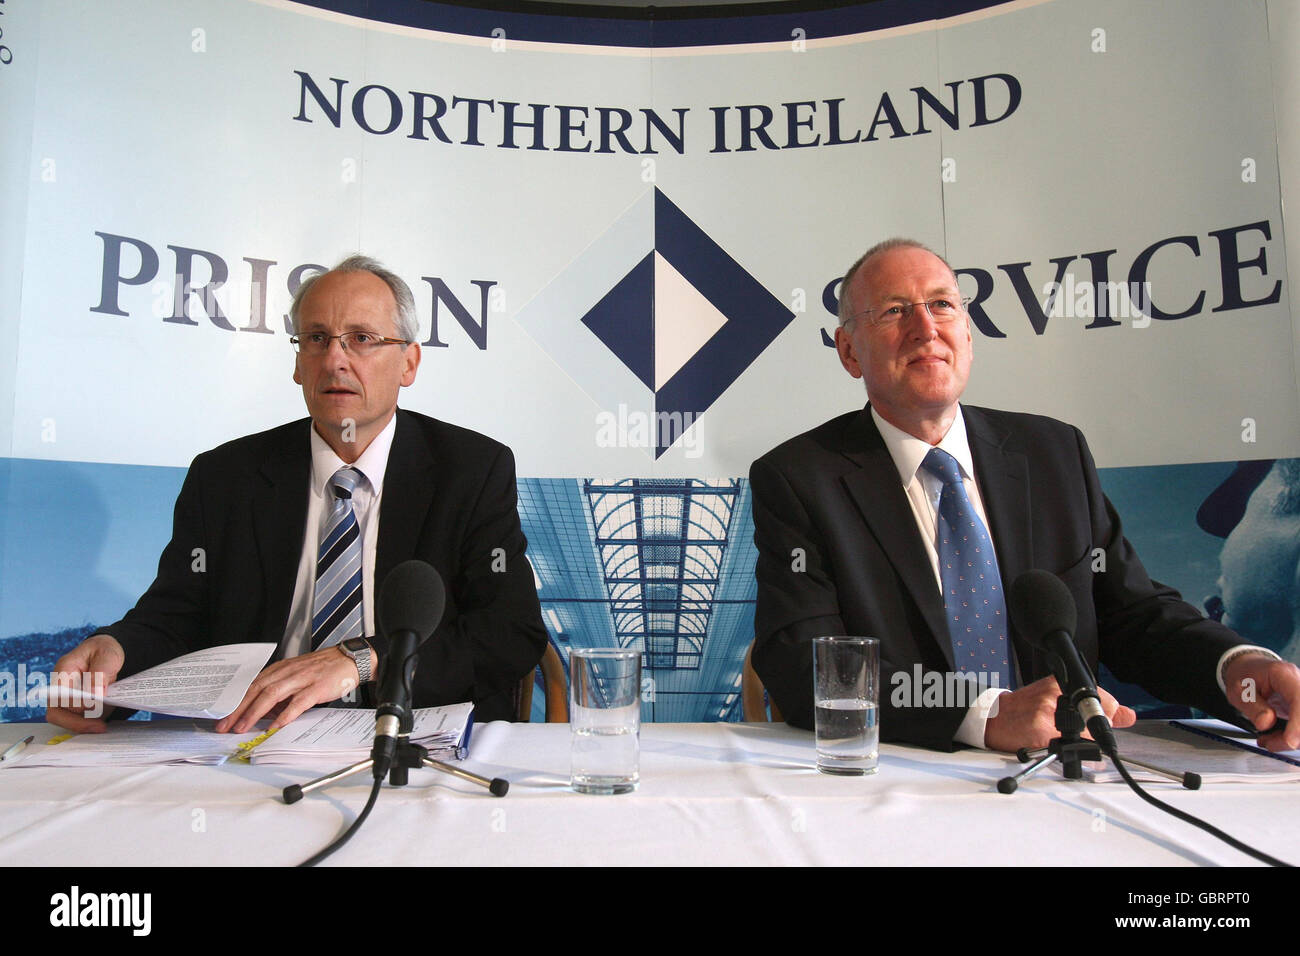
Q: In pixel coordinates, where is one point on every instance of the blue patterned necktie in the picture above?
(337, 606)
(973, 603)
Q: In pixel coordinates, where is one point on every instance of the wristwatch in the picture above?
(358, 648)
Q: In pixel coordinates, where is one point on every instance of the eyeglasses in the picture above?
(360, 343)
(941, 310)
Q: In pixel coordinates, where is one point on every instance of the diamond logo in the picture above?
(655, 316)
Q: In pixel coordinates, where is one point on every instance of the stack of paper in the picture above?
(335, 737)
(132, 743)
(325, 737)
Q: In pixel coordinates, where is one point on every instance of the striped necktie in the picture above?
(337, 606)
(973, 603)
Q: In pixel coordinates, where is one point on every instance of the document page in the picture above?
(206, 683)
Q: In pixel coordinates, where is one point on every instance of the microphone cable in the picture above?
(1188, 818)
(347, 834)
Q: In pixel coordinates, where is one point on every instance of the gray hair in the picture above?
(846, 311)
(405, 320)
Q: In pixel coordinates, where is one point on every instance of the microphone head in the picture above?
(1040, 605)
(412, 598)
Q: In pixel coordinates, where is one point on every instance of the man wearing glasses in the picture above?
(286, 536)
(904, 521)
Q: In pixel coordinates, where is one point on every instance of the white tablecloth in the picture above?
(710, 794)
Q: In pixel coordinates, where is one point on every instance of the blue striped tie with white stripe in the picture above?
(337, 606)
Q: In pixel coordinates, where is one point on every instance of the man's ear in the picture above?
(412, 358)
(297, 374)
(848, 358)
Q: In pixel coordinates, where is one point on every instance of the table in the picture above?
(710, 794)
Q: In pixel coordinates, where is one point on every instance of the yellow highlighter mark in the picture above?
(244, 751)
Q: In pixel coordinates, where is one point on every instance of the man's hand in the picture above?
(98, 658)
(289, 688)
(1264, 690)
(1027, 717)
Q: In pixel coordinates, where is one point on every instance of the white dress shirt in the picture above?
(365, 505)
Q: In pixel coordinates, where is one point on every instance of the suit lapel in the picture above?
(1004, 485)
(280, 521)
(409, 489)
(878, 494)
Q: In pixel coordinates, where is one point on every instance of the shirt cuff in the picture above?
(1234, 652)
(971, 730)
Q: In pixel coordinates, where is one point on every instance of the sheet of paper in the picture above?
(206, 683)
(1241, 740)
(1162, 743)
(134, 743)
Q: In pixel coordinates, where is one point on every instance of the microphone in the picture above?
(1044, 612)
(411, 602)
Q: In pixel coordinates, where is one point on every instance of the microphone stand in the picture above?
(394, 751)
(408, 757)
(1071, 749)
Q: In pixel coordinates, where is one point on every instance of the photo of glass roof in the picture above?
(661, 565)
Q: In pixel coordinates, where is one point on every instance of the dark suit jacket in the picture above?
(449, 499)
(834, 492)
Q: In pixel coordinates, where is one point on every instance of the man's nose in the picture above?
(920, 323)
(336, 351)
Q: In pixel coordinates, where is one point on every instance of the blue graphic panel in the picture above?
(664, 565)
(80, 543)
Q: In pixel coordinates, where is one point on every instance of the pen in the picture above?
(17, 748)
(462, 749)
(1240, 745)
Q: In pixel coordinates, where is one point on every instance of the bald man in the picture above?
(906, 520)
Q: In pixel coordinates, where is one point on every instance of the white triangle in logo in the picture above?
(684, 321)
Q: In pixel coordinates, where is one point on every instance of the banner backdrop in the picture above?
(625, 238)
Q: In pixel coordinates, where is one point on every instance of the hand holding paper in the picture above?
(93, 663)
(207, 683)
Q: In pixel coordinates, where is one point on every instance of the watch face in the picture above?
(355, 644)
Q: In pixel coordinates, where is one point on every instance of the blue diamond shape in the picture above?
(625, 321)
(611, 350)
(754, 316)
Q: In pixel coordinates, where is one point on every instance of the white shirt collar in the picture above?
(908, 451)
(372, 463)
